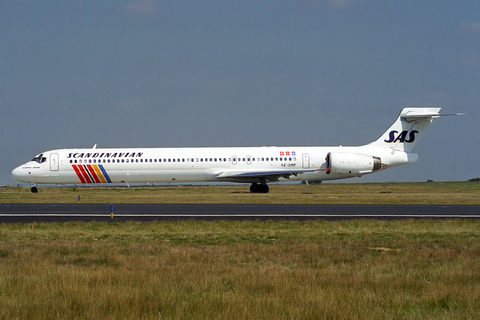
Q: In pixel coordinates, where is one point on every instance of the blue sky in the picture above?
(152, 73)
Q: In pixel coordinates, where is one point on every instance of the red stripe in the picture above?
(85, 174)
(93, 173)
(79, 174)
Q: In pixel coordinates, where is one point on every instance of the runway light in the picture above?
(78, 199)
(111, 211)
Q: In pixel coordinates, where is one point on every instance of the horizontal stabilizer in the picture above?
(408, 128)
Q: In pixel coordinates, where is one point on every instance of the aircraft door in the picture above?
(54, 162)
(305, 161)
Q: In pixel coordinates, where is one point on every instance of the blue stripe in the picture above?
(105, 175)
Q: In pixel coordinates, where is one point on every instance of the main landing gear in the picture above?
(34, 189)
(258, 188)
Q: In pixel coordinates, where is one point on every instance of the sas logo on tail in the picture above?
(401, 137)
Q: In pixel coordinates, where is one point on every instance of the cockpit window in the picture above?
(40, 158)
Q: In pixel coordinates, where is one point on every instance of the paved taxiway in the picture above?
(149, 212)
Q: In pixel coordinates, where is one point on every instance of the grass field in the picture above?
(241, 270)
(370, 193)
(361, 269)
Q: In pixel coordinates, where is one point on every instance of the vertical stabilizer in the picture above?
(407, 129)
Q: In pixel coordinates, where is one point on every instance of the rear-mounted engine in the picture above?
(352, 163)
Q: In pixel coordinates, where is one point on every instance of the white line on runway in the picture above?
(122, 215)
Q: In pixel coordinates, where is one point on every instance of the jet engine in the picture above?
(352, 163)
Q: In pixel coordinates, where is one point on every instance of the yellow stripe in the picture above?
(99, 173)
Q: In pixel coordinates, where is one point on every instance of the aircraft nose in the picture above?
(18, 173)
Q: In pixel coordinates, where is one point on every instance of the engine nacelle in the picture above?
(352, 163)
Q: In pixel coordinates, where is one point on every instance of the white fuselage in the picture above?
(233, 164)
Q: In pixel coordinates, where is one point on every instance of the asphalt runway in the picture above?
(31, 212)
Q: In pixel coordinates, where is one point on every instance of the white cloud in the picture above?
(141, 8)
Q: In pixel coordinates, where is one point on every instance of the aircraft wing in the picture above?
(271, 175)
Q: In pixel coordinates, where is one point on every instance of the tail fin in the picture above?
(409, 126)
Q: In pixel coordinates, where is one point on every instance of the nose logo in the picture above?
(404, 136)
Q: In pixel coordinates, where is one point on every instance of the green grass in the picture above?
(366, 193)
(241, 270)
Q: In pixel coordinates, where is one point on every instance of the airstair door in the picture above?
(54, 162)
(305, 161)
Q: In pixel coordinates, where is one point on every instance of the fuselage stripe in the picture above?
(79, 174)
(105, 173)
(99, 173)
(92, 172)
(88, 173)
(85, 174)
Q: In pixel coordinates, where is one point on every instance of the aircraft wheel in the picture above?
(258, 188)
(34, 190)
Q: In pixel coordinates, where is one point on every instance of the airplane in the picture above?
(254, 165)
